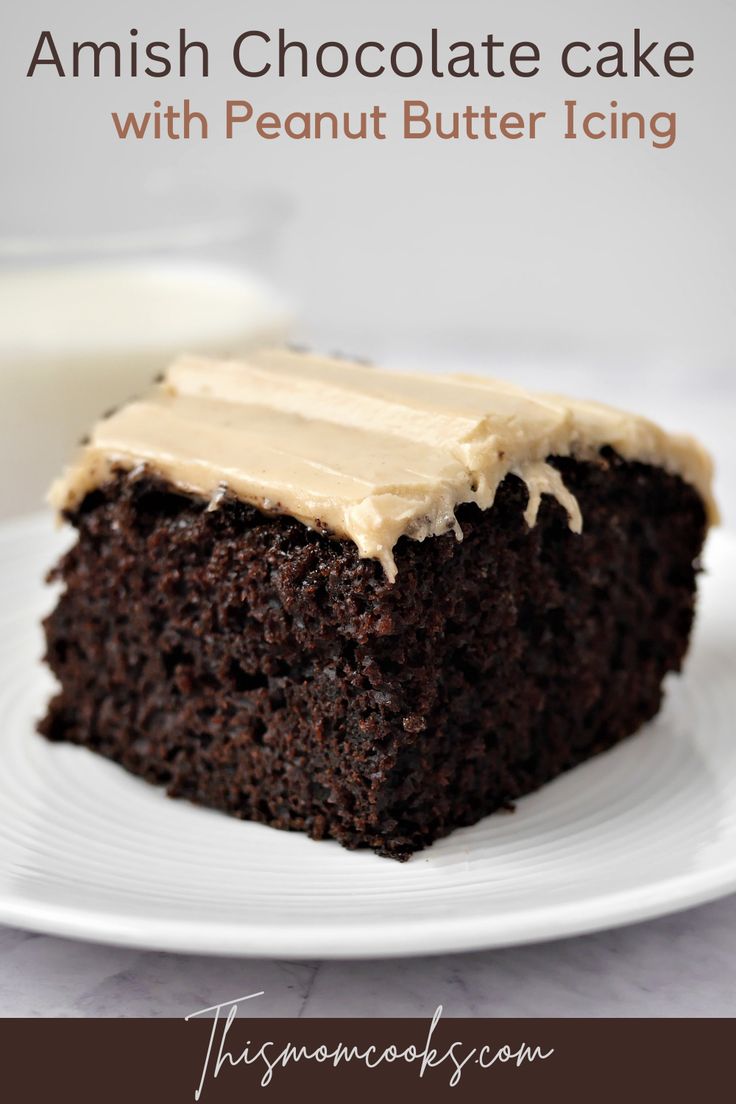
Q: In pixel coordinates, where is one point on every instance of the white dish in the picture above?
(86, 850)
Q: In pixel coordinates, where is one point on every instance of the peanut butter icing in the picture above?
(359, 452)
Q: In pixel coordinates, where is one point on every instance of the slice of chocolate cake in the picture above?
(367, 605)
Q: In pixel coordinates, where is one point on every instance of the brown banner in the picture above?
(238, 1059)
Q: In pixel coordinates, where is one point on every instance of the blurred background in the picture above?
(602, 268)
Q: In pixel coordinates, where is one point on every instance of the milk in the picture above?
(78, 339)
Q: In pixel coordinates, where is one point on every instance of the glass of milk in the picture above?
(87, 324)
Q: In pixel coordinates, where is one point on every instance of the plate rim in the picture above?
(411, 939)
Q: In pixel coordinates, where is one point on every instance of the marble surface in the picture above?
(683, 965)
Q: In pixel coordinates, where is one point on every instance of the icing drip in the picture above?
(361, 453)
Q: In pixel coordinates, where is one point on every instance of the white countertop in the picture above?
(683, 965)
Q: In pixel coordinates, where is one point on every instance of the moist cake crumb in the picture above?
(252, 664)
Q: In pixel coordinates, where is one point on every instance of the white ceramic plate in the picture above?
(87, 850)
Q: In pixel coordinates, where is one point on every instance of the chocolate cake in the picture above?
(366, 605)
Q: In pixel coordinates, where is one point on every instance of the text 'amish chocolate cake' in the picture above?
(367, 605)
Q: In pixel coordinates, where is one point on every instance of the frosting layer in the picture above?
(360, 452)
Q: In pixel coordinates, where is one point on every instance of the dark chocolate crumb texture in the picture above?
(252, 664)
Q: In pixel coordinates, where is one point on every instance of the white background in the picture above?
(550, 244)
(605, 267)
